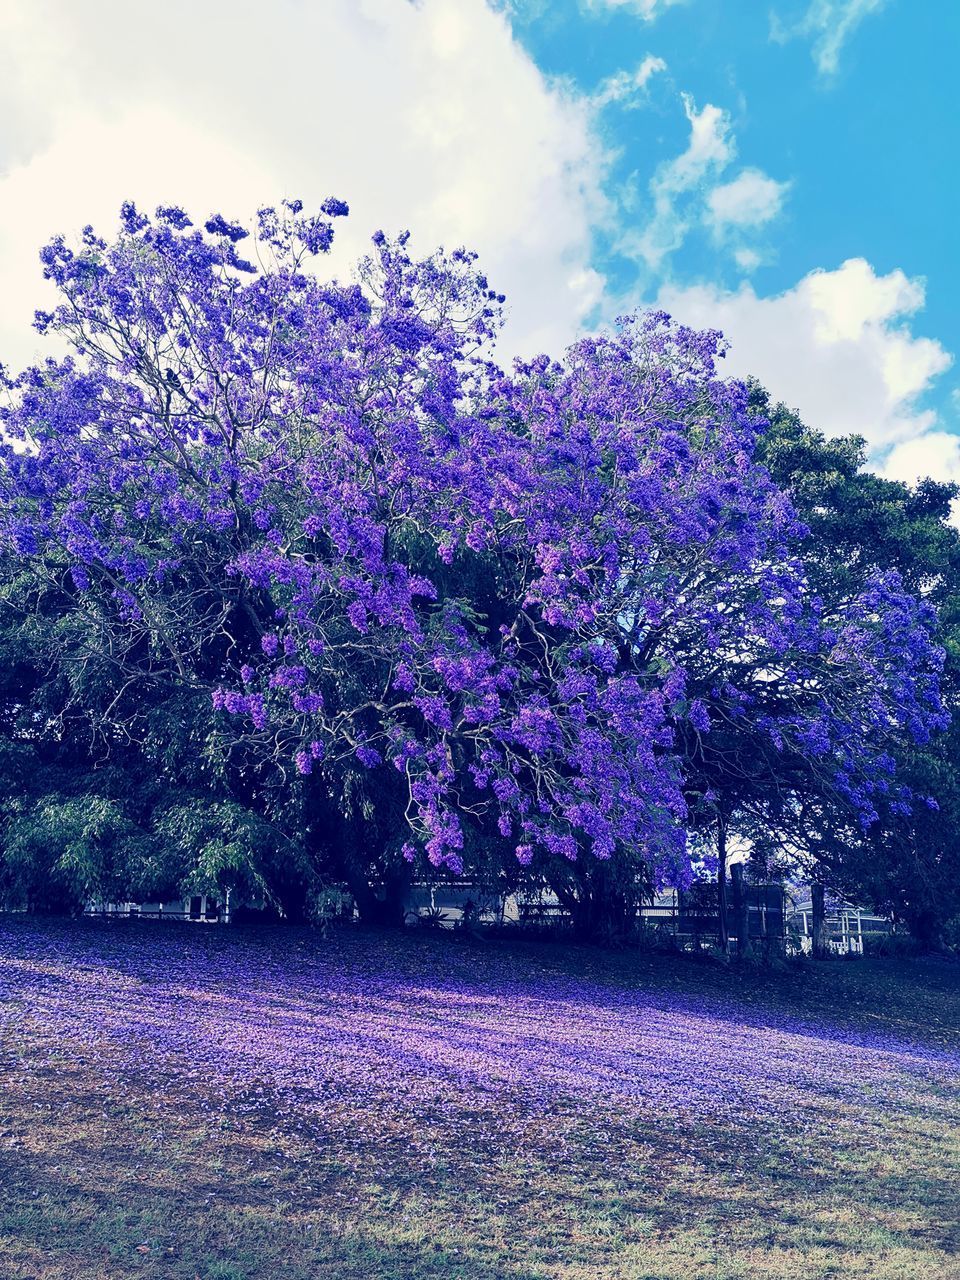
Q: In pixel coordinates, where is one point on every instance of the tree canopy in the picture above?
(908, 861)
(302, 547)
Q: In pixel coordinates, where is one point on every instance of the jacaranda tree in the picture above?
(426, 602)
(658, 523)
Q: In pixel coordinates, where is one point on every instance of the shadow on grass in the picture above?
(87, 1194)
(52, 1228)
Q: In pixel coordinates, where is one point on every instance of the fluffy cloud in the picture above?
(749, 200)
(687, 192)
(829, 24)
(709, 150)
(748, 259)
(711, 146)
(429, 116)
(627, 87)
(837, 347)
(936, 453)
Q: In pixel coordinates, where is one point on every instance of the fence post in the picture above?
(819, 940)
(722, 883)
(741, 912)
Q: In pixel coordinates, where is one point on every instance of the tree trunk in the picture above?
(819, 923)
(381, 907)
(722, 883)
(612, 921)
(741, 913)
(393, 895)
(293, 902)
(574, 891)
(926, 928)
(599, 910)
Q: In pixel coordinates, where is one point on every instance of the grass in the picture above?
(442, 1131)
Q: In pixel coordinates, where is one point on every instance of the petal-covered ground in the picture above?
(374, 1066)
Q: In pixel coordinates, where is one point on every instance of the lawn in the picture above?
(179, 1101)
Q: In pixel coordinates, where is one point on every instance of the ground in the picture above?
(186, 1102)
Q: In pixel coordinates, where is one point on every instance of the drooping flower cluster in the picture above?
(528, 593)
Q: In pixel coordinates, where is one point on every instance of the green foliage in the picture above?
(217, 844)
(115, 788)
(61, 851)
(859, 522)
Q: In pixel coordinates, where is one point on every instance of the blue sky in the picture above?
(781, 169)
(866, 134)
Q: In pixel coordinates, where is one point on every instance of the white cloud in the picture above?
(748, 259)
(750, 200)
(429, 116)
(837, 347)
(645, 9)
(711, 146)
(686, 192)
(829, 23)
(936, 453)
(710, 149)
(627, 86)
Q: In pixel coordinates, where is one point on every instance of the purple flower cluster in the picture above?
(328, 506)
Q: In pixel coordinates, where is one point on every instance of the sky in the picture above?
(783, 170)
